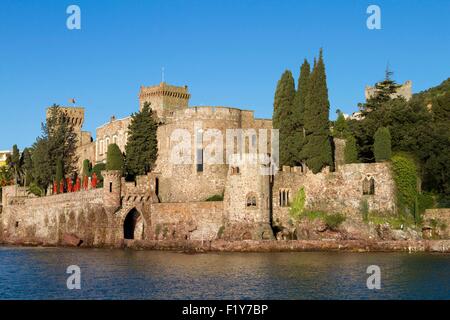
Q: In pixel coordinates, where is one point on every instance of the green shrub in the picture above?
(298, 205)
(97, 169)
(114, 158)
(87, 168)
(36, 190)
(216, 197)
(333, 221)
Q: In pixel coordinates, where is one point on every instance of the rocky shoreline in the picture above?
(441, 246)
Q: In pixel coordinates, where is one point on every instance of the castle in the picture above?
(171, 201)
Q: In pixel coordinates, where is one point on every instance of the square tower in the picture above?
(164, 99)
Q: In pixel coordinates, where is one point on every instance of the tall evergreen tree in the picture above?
(317, 149)
(299, 111)
(142, 146)
(382, 144)
(114, 158)
(350, 151)
(27, 166)
(283, 117)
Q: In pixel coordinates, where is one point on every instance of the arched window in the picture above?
(251, 200)
(368, 186)
(234, 170)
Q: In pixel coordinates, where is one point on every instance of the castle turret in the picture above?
(112, 189)
(164, 99)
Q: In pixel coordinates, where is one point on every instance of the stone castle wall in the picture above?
(183, 182)
(187, 221)
(405, 91)
(48, 220)
(338, 192)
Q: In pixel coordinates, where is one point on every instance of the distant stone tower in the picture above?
(76, 118)
(164, 98)
(405, 91)
(112, 190)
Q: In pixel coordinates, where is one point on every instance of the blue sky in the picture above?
(229, 53)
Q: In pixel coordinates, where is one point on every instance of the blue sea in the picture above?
(41, 273)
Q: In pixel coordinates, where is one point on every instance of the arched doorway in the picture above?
(133, 225)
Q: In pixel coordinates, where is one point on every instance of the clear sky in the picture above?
(229, 53)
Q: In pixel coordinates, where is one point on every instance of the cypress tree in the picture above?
(382, 144)
(283, 117)
(299, 110)
(142, 146)
(27, 166)
(114, 158)
(350, 151)
(86, 168)
(317, 149)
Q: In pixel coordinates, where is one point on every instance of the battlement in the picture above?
(212, 112)
(164, 99)
(164, 89)
(75, 115)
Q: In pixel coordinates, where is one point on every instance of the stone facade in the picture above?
(170, 203)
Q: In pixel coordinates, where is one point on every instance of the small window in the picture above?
(110, 187)
(368, 186)
(284, 200)
(199, 160)
(234, 170)
(17, 224)
(251, 201)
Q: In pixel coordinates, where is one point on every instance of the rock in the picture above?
(69, 239)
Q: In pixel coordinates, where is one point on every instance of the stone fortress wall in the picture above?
(405, 91)
(170, 202)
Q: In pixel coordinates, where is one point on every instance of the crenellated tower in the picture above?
(164, 98)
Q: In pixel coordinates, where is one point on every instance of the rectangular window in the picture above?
(199, 160)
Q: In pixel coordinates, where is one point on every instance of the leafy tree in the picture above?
(57, 142)
(350, 151)
(283, 117)
(142, 146)
(6, 177)
(382, 144)
(114, 158)
(317, 149)
(14, 163)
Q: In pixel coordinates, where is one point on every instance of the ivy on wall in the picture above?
(405, 177)
(298, 204)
